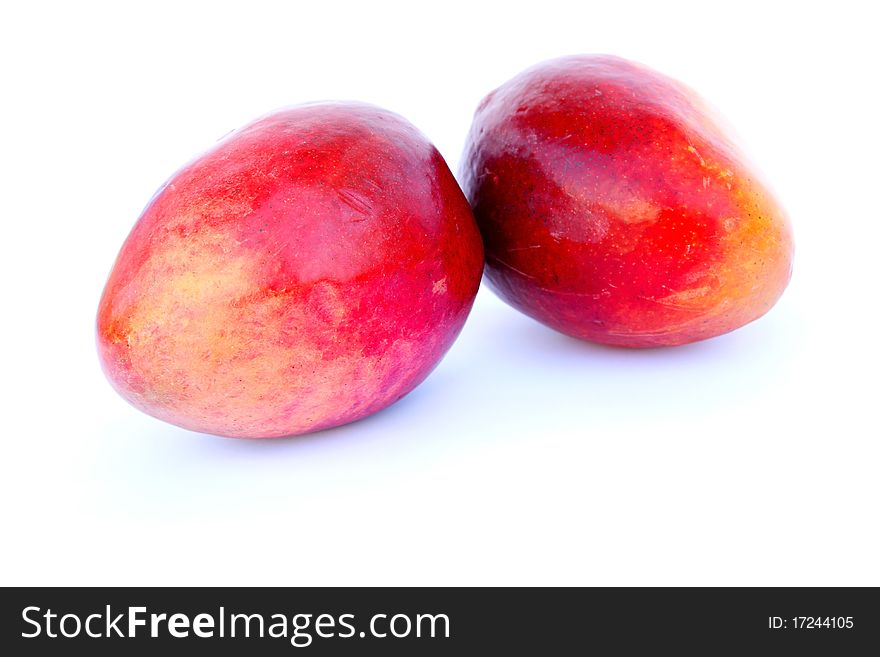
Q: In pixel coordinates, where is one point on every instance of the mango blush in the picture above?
(307, 271)
(614, 209)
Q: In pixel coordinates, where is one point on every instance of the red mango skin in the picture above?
(307, 271)
(615, 210)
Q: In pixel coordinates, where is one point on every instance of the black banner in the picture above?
(444, 621)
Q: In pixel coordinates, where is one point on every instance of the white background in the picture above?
(527, 457)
